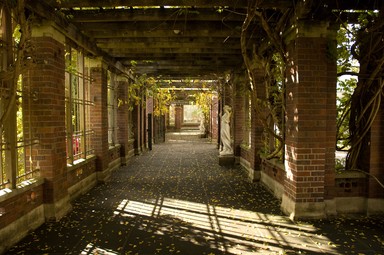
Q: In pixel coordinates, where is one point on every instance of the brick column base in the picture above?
(311, 122)
(47, 116)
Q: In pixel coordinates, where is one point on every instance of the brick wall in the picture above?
(81, 178)
(47, 115)
(16, 206)
(143, 126)
(350, 187)
(274, 171)
(215, 119)
(330, 136)
(99, 116)
(136, 127)
(238, 114)
(139, 128)
(256, 125)
(178, 117)
(114, 153)
(80, 171)
(310, 127)
(376, 156)
(123, 118)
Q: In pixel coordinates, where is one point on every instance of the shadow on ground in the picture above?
(176, 199)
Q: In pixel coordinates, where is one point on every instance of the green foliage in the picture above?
(366, 100)
(143, 87)
(345, 40)
(204, 100)
(71, 59)
(345, 90)
(162, 98)
(138, 89)
(346, 64)
(339, 164)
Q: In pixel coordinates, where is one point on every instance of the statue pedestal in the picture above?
(226, 160)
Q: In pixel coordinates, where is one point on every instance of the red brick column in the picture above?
(238, 112)
(178, 117)
(167, 119)
(311, 121)
(99, 117)
(375, 191)
(214, 130)
(256, 125)
(123, 118)
(47, 80)
(137, 128)
(143, 125)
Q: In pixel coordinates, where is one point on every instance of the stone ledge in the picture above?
(226, 160)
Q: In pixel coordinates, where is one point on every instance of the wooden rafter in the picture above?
(179, 37)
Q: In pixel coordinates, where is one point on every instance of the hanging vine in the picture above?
(267, 53)
(162, 98)
(19, 44)
(204, 100)
(367, 97)
(143, 86)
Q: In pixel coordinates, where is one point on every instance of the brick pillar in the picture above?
(47, 114)
(178, 117)
(215, 119)
(143, 125)
(99, 118)
(311, 121)
(256, 125)
(375, 203)
(167, 118)
(238, 112)
(123, 119)
(136, 125)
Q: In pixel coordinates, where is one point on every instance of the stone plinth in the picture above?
(226, 160)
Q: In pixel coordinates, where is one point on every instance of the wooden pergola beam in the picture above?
(178, 37)
(282, 4)
(72, 32)
(158, 15)
(159, 3)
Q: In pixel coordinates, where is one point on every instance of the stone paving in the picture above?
(176, 199)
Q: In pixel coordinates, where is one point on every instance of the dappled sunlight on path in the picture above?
(223, 229)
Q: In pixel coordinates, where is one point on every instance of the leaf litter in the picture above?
(176, 203)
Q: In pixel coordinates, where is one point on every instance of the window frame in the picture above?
(78, 102)
(16, 137)
(112, 109)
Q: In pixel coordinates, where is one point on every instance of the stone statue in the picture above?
(225, 132)
(202, 123)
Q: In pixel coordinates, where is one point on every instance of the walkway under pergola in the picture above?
(82, 165)
(176, 199)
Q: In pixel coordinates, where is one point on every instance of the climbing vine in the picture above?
(347, 70)
(142, 87)
(204, 100)
(266, 53)
(162, 98)
(18, 48)
(366, 99)
(357, 108)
